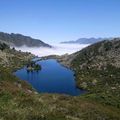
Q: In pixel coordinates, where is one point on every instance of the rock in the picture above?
(84, 85)
(19, 85)
(35, 93)
(94, 82)
(29, 91)
(113, 88)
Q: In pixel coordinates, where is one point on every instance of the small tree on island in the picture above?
(32, 66)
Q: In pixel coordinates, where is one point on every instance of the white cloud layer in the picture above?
(58, 49)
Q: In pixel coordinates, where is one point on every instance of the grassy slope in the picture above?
(18, 101)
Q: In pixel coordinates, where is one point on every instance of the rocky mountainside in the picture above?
(10, 58)
(18, 40)
(97, 69)
(84, 41)
(100, 54)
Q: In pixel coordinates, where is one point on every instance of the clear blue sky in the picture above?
(61, 20)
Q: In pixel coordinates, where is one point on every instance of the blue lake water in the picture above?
(52, 78)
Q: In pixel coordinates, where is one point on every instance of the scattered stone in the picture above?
(84, 85)
(19, 85)
(29, 91)
(35, 93)
(113, 88)
(94, 82)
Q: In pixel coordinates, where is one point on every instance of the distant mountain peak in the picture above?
(90, 40)
(18, 40)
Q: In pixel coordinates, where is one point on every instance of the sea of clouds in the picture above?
(57, 49)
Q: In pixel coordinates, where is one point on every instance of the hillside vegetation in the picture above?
(97, 69)
(18, 100)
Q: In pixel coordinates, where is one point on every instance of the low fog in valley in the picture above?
(57, 49)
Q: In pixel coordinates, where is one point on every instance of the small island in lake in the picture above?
(32, 66)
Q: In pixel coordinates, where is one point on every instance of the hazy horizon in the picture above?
(56, 21)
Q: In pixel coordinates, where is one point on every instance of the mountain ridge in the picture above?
(18, 40)
(91, 40)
